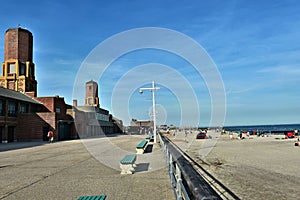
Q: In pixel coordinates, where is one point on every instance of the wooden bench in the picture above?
(140, 148)
(127, 164)
(101, 197)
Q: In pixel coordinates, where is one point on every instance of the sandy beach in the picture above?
(253, 168)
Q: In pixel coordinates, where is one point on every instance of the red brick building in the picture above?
(12, 106)
(23, 115)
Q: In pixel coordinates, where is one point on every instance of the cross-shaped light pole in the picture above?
(153, 89)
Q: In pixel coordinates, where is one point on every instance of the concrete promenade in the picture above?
(69, 169)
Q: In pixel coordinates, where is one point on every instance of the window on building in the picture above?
(12, 109)
(31, 71)
(11, 68)
(22, 70)
(2, 103)
(90, 87)
(57, 110)
(2, 71)
(90, 101)
(23, 108)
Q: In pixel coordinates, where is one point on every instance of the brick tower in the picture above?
(18, 70)
(91, 94)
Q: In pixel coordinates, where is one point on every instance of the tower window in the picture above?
(22, 70)
(2, 71)
(90, 101)
(90, 87)
(31, 71)
(11, 68)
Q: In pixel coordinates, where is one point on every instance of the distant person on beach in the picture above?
(296, 132)
(230, 135)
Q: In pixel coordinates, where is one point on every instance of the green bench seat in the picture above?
(101, 197)
(142, 144)
(127, 164)
(128, 159)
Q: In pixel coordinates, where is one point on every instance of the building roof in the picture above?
(91, 81)
(92, 109)
(4, 92)
(19, 29)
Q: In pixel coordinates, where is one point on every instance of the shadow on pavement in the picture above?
(142, 167)
(149, 148)
(20, 145)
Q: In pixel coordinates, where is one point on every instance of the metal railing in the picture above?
(186, 180)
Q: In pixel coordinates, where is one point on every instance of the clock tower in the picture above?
(18, 69)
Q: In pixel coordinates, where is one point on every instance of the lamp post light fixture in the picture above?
(153, 89)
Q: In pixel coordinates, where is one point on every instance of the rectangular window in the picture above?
(2, 71)
(2, 103)
(90, 101)
(23, 108)
(31, 71)
(22, 70)
(57, 110)
(12, 109)
(11, 68)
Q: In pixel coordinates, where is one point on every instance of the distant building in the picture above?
(140, 127)
(141, 123)
(90, 119)
(55, 113)
(91, 94)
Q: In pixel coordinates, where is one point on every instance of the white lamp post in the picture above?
(153, 106)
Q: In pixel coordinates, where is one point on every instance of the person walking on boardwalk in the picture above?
(186, 133)
(50, 136)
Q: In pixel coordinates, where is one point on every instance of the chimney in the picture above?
(74, 102)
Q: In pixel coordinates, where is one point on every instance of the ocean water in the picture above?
(273, 129)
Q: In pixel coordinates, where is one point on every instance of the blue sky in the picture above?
(254, 44)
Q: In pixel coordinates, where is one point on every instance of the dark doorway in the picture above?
(45, 133)
(64, 131)
(11, 133)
